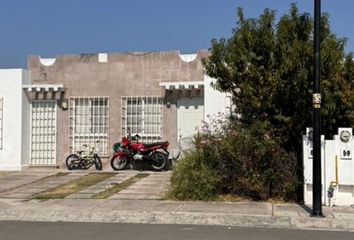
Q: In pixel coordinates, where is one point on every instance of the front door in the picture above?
(43, 133)
(190, 115)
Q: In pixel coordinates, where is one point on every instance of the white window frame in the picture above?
(148, 132)
(98, 130)
(1, 121)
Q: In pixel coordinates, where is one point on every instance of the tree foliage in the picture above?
(268, 68)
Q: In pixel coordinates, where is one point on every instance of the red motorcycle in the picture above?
(130, 150)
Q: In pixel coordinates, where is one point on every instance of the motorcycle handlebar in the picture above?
(136, 137)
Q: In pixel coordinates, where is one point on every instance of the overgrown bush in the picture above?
(253, 164)
(232, 159)
(194, 180)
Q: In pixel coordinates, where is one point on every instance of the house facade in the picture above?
(14, 119)
(73, 100)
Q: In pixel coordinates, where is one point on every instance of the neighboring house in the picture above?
(73, 100)
(14, 119)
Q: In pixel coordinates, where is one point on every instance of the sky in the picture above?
(54, 27)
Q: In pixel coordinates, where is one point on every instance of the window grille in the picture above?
(89, 123)
(1, 120)
(143, 116)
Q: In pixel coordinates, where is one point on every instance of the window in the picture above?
(1, 120)
(143, 116)
(89, 123)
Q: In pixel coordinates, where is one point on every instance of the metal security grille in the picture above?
(89, 123)
(1, 120)
(143, 116)
(43, 133)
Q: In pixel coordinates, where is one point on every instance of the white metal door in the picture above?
(43, 133)
(190, 115)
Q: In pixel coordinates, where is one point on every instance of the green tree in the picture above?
(268, 68)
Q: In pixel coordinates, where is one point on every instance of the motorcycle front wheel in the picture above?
(119, 163)
(72, 161)
(158, 161)
(98, 162)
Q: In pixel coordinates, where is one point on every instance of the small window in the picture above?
(1, 121)
(143, 116)
(89, 122)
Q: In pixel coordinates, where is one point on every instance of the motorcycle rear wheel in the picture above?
(158, 161)
(119, 163)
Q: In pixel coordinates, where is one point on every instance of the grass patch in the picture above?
(3, 174)
(119, 187)
(236, 198)
(73, 186)
(233, 198)
(59, 174)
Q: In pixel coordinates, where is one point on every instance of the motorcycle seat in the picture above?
(147, 145)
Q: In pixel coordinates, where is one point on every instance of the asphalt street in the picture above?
(13, 230)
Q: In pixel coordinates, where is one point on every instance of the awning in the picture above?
(44, 87)
(182, 85)
(44, 91)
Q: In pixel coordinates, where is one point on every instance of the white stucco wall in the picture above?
(215, 101)
(331, 151)
(308, 159)
(26, 122)
(11, 81)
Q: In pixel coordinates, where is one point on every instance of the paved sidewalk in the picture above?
(141, 203)
(253, 214)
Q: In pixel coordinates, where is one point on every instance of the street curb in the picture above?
(186, 218)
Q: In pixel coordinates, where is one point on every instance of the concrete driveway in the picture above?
(23, 185)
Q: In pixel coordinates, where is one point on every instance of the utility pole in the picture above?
(316, 104)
